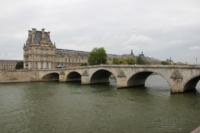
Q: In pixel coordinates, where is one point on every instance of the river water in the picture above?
(46, 107)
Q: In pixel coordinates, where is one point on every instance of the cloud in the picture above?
(194, 48)
(161, 29)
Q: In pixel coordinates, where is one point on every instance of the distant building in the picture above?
(142, 54)
(41, 53)
(170, 61)
(131, 55)
(8, 64)
(132, 52)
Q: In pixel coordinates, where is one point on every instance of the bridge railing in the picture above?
(137, 66)
(111, 66)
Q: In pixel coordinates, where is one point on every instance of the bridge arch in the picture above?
(103, 76)
(139, 78)
(73, 76)
(191, 84)
(54, 76)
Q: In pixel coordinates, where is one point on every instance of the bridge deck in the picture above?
(138, 66)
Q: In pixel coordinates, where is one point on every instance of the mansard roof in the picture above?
(71, 52)
(80, 53)
(36, 37)
(9, 61)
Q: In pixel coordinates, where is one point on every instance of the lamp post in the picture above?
(196, 60)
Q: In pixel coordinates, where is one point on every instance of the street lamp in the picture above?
(196, 60)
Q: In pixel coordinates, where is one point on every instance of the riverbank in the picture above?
(18, 76)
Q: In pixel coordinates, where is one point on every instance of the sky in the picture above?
(160, 28)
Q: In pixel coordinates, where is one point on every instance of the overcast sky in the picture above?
(160, 28)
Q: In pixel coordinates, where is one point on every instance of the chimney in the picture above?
(33, 29)
(33, 35)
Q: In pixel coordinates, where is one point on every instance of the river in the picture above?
(51, 107)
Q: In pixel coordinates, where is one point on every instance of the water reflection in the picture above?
(198, 87)
(63, 107)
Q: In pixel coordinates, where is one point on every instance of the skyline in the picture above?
(162, 29)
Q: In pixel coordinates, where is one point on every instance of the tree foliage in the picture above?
(131, 61)
(83, 64)
(167, 62)
(142, 61)
(19, 65)
(116, 61)
(97, 56)
(128, 60)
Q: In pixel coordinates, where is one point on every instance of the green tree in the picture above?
(165, 63)
(19, 65)
(97, 56)
(125, 60)
(141, 60)
(122, 61)
(168, 62)
(116, 61)
(83, 64)
(130, 61)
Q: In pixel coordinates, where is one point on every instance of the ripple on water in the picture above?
(61, 107)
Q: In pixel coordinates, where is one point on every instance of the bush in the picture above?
(19, 65)
(165, 63)
(83, 64)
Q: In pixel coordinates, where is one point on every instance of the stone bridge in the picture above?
(179, 78)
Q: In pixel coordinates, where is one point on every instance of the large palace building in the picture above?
(41, 53)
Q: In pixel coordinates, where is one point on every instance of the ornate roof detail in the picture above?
(36, 37)
(71, 52)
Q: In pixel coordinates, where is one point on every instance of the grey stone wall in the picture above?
(18, 76)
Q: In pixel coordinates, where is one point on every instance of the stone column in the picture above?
(47, 65)
(121, 82)
(50, 65)
(62, 77)
(44, 65)
(176, 82)
(121, 79)
(35, 65)
(33, 35)
(24, 65)
(176, 86)
(39, 65)
(29, 65)
(85, 78)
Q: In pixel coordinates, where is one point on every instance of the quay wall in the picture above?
(18, 76)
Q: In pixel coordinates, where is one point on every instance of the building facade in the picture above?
(41, 53)
(8, 64)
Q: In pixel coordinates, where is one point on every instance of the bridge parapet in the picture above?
(138, 66)
(176, 76)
